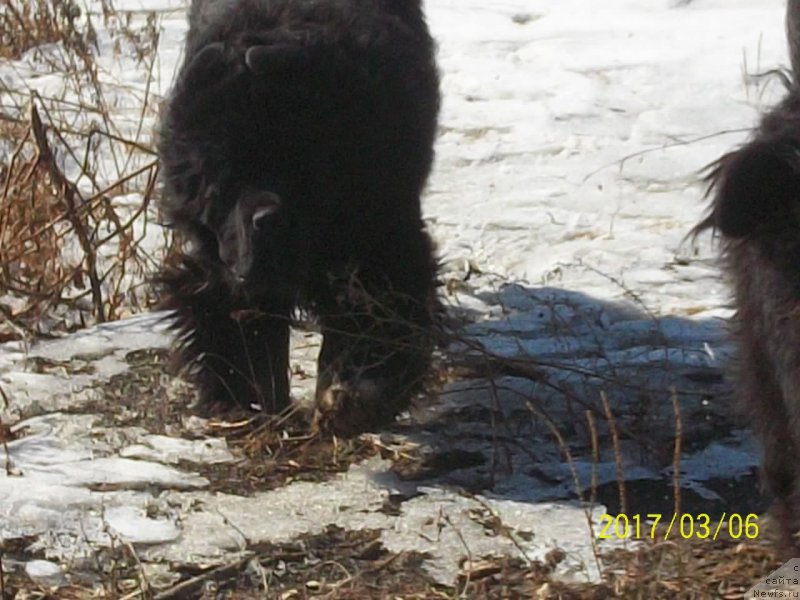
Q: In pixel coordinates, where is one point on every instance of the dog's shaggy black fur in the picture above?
(756, 209)
(294, 148)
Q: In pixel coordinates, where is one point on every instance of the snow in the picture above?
(557, 103)
(572, 138)
(160, 448)
(45, 573)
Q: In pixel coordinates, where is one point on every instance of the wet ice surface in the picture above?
(584, 268)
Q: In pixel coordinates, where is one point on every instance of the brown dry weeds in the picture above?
(72, 251)
(344, 564)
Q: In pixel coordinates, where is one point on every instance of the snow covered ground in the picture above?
(566, 180)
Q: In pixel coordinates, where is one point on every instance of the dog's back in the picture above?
(336, 97)
(295, 146)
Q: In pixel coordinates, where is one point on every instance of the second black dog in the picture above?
(756, 208)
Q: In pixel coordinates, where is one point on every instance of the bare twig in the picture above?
(612, 424)
(676, 455)
(190, 587)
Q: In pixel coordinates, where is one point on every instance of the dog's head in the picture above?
(250, 236)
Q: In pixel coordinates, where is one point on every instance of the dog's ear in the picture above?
(755, 185)
(206, 67)
(267, 59)
(262, 216)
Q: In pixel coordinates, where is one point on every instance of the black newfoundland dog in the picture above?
(756, 209)
(295, 146)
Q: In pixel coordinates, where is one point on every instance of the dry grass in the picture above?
(25, 25)
(71, 239)
(342, 564)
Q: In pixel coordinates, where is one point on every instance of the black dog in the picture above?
(756, 208)
(294, 148)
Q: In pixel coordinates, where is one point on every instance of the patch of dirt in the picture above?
(143, 396)
(271, 450)
(77, 365)
(688, 569)
(337, 563)
(272, 456)
(346, 564)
